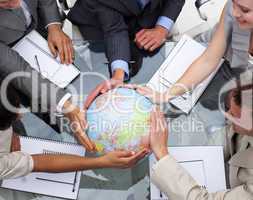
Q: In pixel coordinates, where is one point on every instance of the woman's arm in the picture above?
(172, 179)
(197, 72)
(68, 163)
(205, 64)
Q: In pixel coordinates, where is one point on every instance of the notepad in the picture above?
(204, 163)
(63, 185)
(34, 49)
(176, 64)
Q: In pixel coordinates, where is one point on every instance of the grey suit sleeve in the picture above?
(172, 8)
(115, 32)
(39, 90)
(48, 11)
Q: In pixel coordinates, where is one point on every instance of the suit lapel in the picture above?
(17, 19)
(132, 6)
(154, 4)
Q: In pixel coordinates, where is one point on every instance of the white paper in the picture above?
(204, 164)
(64, 185)
(182, 56)
(33, 45)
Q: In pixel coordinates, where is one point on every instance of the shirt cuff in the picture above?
(120, 64)
(165, 22)
(52, 24)
(59, 108)
(161, 161)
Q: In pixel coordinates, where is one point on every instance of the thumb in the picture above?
(125, 154)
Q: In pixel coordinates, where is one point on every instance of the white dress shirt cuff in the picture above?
(52, 24)
(121, 64)
(165, 22)
(59, 108)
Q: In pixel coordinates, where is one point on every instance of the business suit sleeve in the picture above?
(33, 86)
(48, 11)
(115, 32)
(177, 184)
(172, 9)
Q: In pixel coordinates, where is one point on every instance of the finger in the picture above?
(83, 138)
(52, 49)
(91, 97)
(144, 91)
(85, 141)
(152, 124)
(145, 41)
(81, 119)
(149, 44)
(139, 34)
(141, 39)
(66, 54)
(71, 50)
(154, 47)
(129, 86)
(106, 87)
(61, 53)
(125, 154)
(135, 158)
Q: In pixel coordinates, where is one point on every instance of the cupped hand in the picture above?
(102, 89)
(122, 159)
(158, 134)
(78, 125)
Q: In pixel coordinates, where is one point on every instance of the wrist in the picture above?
(161, 153)
(68, 107)
(54, 27)
(162, 30)
(167, 97)
(119, 74)
(102, 162)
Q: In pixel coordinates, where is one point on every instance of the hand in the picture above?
(155, 97)
(78, 125)
(102, 89)
(151, 39)
(122, 159)
(10, 4)
(158, 134)
(15, 143)
(60, 44)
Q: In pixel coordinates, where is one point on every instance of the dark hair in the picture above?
(236, 94)
(7, 117)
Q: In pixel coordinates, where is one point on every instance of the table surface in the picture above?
(129, 184)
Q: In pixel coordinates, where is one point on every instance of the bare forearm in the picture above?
(196, 73)
(64, 163)
(205, 64)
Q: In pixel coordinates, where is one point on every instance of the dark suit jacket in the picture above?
(12, 28)
(114, 21)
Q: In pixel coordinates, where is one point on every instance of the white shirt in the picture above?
(13, 164)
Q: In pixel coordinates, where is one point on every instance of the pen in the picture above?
(54, 181)
(74, 185)
(37, 63)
